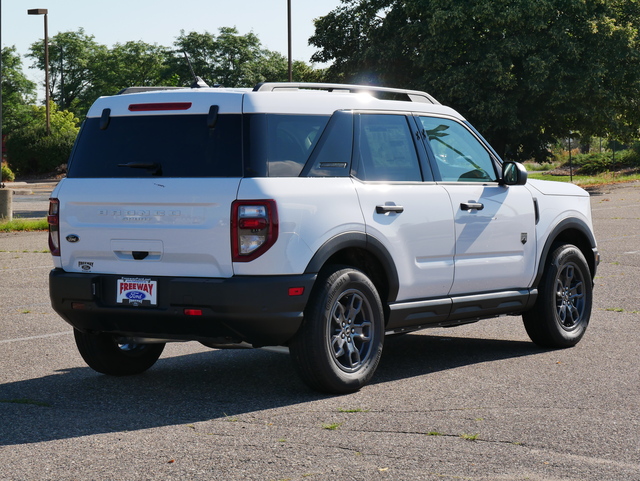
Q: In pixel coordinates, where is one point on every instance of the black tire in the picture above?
(561, 314)
(339, 344)
(104, 354)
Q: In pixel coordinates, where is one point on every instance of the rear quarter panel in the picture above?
(310, 212)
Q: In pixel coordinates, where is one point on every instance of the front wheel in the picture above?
(108, 354)
(561, 314)
(339, 344)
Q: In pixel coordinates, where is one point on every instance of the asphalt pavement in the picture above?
(477, 402)
(30, 199)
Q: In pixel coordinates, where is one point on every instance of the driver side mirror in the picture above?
(513, 173)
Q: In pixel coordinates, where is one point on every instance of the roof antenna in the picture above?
(197, 81)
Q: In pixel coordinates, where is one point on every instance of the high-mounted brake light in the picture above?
(53, 219)
(154, 107)
(254, 228)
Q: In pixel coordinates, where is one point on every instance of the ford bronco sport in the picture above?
(320, 217)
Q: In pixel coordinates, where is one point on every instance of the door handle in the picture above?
(383, 209)
(471, 206)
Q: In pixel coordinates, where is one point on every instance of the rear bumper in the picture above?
(257, 310)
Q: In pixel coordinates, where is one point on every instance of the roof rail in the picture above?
(135, 90)
(383, 92)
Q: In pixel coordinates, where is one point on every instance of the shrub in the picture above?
(30, 150)
(7, 174)
(596, 163)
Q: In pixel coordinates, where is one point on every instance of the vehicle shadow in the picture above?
(205, 386)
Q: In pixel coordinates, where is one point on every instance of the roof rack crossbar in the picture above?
(412, 95)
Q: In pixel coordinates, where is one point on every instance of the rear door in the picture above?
(410, 216)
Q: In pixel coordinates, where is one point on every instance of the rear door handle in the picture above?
(383, 209)
(471, 206)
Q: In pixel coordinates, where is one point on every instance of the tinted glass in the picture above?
(279, 145)
(159, 145)
(459, 156)
(386, 151)
(332, 155)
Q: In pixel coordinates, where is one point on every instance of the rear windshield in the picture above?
(159, 145)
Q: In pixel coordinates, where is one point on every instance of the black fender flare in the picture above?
(363, 241)
(562, 226)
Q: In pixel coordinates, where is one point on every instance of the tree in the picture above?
(525, 72)
(72, 58)
(233, 60)
(130, 64)
(17, 91)
(81, 70)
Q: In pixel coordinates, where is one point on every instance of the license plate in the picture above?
(136, 291)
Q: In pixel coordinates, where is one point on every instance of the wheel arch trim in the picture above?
(363, 241)
(563, 227)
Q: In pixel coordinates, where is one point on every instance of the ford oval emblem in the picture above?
(136, 295)
(72, 238)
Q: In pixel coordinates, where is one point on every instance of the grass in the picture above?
(587, 180)
(24, 225)
(356, 410)
(332, 426)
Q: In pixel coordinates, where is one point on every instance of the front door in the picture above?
(494, 224)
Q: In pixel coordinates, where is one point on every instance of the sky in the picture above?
(160, 22)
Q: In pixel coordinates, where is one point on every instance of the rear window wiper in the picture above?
(154, 166)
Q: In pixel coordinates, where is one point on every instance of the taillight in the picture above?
(254, 228)
(53, 220)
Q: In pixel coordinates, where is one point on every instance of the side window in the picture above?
(290, 141)
(385, 149)
(459, 156)
(332, 155)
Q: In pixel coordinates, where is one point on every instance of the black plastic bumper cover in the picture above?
(257, 310)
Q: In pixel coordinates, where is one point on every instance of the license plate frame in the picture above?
(137, 291)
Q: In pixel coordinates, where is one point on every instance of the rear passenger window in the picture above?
(279, 145)
(459, 156)
(385, 149)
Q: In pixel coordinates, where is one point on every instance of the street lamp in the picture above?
(44, 11)
(289, 38)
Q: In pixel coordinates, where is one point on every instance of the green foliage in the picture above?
(82, 70)
(233, 60)
(130, 64)
(7, 174)
(30, 150)
(596, 163)
(73, 57)
(331, 426)
(17, 91)
(525, 73)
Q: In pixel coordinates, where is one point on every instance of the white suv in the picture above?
(315, 216)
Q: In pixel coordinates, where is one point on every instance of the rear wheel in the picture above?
(561, 314)
(108, 354)
(339, 344)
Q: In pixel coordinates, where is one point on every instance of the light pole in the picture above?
(44, 11)
(289, 38)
